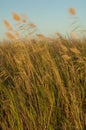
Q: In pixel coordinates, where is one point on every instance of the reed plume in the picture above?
(16, 16)
(72, 11)
(32, 25)
(7, 25)
(10, 36)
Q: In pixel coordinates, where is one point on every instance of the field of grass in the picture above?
(43, 85)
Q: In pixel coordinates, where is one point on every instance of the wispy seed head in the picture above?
(7, 25)
(72, 11)
(10, 35)
(16, 16)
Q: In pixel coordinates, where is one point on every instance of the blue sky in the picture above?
(49, 15)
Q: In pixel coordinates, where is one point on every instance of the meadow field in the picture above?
(43, 84)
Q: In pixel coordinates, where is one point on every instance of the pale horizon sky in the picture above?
(49, 15)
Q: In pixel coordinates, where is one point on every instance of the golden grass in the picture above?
(75, 50)
(43, 85)
(64, 48)
(66, 57)
(43, 81)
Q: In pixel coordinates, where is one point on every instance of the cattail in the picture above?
(10, 35)
(16, 16)
(32, 25)
(72, 11)
(7, 25)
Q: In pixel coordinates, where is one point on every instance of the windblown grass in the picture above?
(43, 85)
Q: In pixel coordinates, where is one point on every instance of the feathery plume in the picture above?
(32, 25)
(75, 50)
(10, 35)
(64, 48)
(7, 25)
(66, 57)
(72, 11)
(16, 16)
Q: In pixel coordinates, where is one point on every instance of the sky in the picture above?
(50, 16)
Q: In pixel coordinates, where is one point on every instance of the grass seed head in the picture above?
(16, 16)
(75, 50)
(10, 36)
(32, 25)
(72, 11)
(7, 25)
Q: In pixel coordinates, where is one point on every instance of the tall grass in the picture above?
(43, 81)
(43, 85)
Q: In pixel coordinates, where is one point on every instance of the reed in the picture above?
(43, 85)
